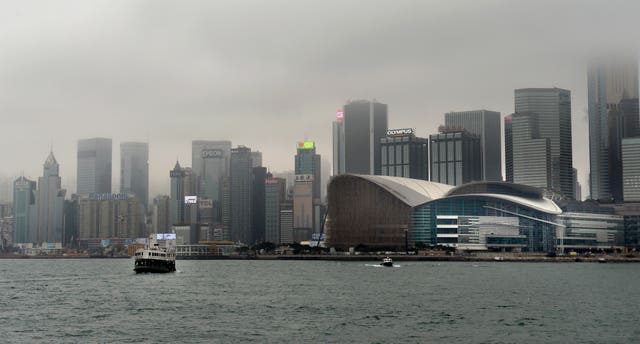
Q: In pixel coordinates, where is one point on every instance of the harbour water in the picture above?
(102, 300)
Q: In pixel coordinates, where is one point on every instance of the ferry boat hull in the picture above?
(154, 266)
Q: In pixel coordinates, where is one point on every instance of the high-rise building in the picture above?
(286, 222)
(613, 116)
(307, 162)
(134, 170)
(338, 144)
(240, 195)
(631, 169)
(94, 166)
(71, 232)
(553, 109)
(404, 154)
(508, 148)
(103, 216)
(50, 203)
(210, 162)
(183, 195)
(455, 157)
(161, 215)
(256, 159)
(529, 161)
(306, 190)
(25, 215)
(365, 123)
(486, 125)
(258, 176)
(275, 194)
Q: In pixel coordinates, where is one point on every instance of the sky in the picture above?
(266, 74)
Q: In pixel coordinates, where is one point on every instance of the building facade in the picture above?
(550, 109)
(613, 116)
(50, 203)
(25, 214)
(404, 154)
(275, 195)
(456, 157)
(338, 144)
(104, 216)
(94, 166)
(134, 170)
(486, 125)
(530, 158)
(240, 195)
(631, 169)
(365, 123)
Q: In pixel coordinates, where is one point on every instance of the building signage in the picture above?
(306, 145)
(190, 199)
(205, 204)
(400, 132)
(165, 236)
(175, 174)
(108, 196)
(304, 177)
(340, 115)
(271, 181)
(211, 154)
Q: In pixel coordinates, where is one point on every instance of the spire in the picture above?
(177, 167)
(51, 160)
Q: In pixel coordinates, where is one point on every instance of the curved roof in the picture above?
(413, 192)
(544, 205)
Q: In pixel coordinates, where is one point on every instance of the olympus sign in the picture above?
(400, 132)
(211, 153)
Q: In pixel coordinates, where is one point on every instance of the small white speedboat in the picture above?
(386, 261)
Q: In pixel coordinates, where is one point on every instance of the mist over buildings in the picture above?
(267, 74)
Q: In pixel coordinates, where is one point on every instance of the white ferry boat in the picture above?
(159, 254)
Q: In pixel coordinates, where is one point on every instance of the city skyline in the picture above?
(103, 90)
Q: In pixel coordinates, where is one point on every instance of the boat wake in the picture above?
(380, 266)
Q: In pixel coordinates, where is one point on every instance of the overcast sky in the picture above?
(266, 74)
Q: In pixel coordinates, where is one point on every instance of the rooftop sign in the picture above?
(108, 196)
(306, 145)
(400, 132)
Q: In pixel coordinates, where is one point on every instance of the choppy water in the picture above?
(102, 300)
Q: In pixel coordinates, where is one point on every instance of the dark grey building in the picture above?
(134, 170)
(455, 157)
(338, 144)
(240, 195)
(508, 148)
(404, 154)
(486, 125)
(365, 123)
(553, 109)
(275, 195)
(258, 177)
(94, 166)
(613, 116)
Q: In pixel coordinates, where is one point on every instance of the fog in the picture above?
(266, 74)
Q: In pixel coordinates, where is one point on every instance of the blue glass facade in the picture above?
(536, 231)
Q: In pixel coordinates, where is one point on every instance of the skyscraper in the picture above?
(275, 194)
(530, 160)
(134, 170)
(553, 109)
(25, 215)
(182, 185)
(50, 203)
(338, 144)
(405, 155)
(240, 195)
(365, 123)
(210, 161)
(486, 125)
(631, 169)
(258, 176)
(613, 116)
(94, 166)
(306, 191)
(508, 148)
(455, 157)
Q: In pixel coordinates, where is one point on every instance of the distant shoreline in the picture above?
(369, 258)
